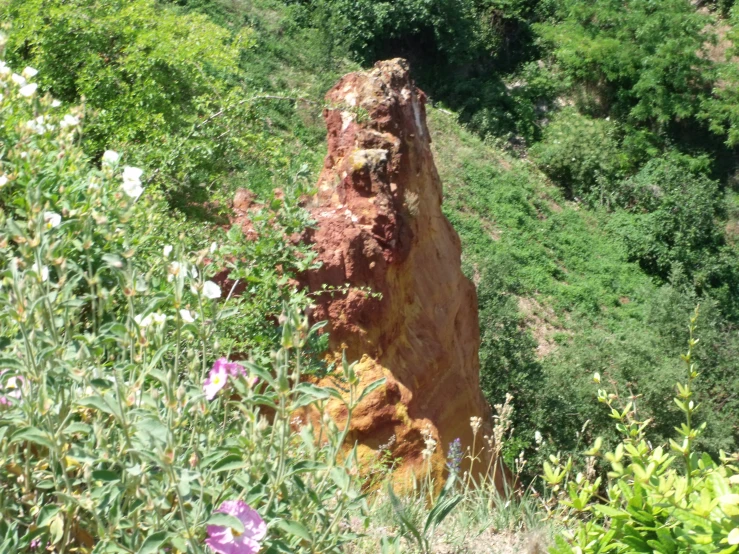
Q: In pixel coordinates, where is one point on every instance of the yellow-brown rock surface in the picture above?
(380, 225)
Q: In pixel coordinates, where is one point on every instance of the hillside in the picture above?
(587, 155)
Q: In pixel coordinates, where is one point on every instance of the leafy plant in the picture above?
(651, 503)
(125, 424)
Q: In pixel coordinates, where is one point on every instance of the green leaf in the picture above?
(225, 520)
(371, 387)
(33, 435)
(46, 514)
(229, 463)
(98, 403)
(56, 529)
(610, 511)
(153, 543)
(105, 475)
(296, 529)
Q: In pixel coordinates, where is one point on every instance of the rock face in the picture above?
(380, 225)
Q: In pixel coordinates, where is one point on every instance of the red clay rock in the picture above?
(380, 225)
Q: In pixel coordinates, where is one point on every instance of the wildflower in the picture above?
(11, 389)
(734, 536)
(38, 125)
(43, 272)
(132, 181)
(211, 290)
(28, 90)
(29, 72)
(143, 322)
(111, 157)
(454, 456)
(213, 247)
(56, 103)
(18, 79)
(430, 443)
(187, 316)
(69, 121)
(223, 540)
(167, 250)
(537, 437)
(232, 368)
(52, 219)
(217, 379)
(596, 377)
(194, 272)
(3, 181)
(158, 319)
(4, 69)
(475, 423)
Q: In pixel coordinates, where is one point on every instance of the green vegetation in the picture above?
(588, 152)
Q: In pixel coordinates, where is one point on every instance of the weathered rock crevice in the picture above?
(380, 225)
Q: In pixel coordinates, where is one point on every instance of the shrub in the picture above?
(642, 59)
(651, 502)
(674, 216)
(581, 154)
(124, 424)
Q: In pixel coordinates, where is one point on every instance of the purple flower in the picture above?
(225, 540)
(454, 456)
(35, 543)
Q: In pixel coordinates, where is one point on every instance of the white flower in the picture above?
(596, 377)
(537, 437)
(3, 181)
(43, 273)
(29, 72)
(52, 219)
(39, 125)
(159, 319)
(18, 79)
(4, 69)
(211, 290)
(174, 268)
(213, 247)
(143, 322)
(194, 272)
(56, 103)
(69, 121)
(111, 157)
(28, 90)
(167, 250)
(132, 181)
(187, 316)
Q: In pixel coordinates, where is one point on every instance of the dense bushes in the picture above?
(582, 154)
(167, 87)
(123, 424)
(641, 59)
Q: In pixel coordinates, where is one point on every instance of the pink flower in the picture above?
(232, 368)
(216, 380)
(219, 374)
(11, 389)
(225, 540)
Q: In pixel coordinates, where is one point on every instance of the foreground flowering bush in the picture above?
(657, 499)
(123, 425)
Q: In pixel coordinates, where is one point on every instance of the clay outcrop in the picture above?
(380, 225)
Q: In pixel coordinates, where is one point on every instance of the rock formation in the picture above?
(380, 225)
